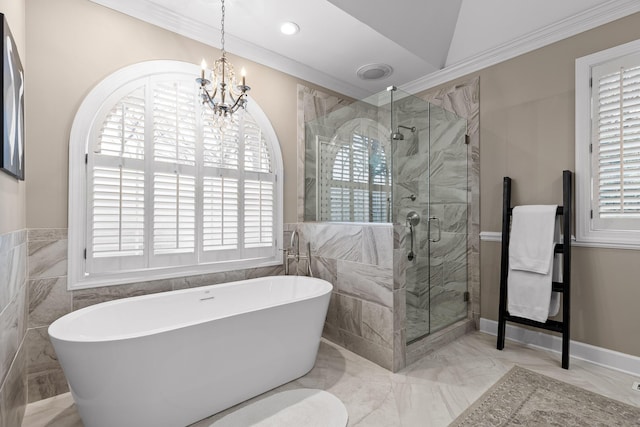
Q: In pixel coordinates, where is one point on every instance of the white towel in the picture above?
(531, 260)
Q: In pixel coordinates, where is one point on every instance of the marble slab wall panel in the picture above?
(13, 323)
(48, 300)
(358, 260)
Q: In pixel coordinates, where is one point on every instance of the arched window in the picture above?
(158, 189)
(355, 177)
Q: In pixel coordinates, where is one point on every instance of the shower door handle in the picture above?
(435, 219)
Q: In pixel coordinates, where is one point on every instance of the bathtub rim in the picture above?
(55, 333)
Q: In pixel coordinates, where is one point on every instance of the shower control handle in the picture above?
(435, 219)
(413, 219)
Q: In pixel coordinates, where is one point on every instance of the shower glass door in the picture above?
(448, 210)
(429, 176)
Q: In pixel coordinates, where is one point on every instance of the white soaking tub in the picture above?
(173, 358)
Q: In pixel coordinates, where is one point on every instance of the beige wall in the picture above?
(74, 44)
(12, 191)
(527, 133)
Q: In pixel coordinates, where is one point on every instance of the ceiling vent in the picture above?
(374, 71)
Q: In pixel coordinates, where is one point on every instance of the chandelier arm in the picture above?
(235, 104)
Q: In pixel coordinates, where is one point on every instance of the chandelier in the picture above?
(222, 93)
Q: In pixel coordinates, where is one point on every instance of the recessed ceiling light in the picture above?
(289, 28)
(374, 71)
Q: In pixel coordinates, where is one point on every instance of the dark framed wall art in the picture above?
(12, 153)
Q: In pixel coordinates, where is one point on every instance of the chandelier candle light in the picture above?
(227, 96)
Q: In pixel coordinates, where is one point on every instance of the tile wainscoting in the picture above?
(363, 313)
(13, 324)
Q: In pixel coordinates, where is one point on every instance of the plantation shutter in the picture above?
(221, 204)
(259, 189)
(616, 144)
(116, 194)
(174, 172)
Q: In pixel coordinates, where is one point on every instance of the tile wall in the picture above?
(13, 324)
(357, 260)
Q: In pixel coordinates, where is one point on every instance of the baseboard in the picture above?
(597, 355)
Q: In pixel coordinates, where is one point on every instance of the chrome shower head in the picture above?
(397, 136)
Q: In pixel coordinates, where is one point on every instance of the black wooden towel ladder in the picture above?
(564, 286)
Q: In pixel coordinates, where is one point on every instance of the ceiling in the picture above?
(426, 42)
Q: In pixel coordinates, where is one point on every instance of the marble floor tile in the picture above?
(431, 392)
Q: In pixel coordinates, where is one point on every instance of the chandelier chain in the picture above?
(226, 96)
(222, 30)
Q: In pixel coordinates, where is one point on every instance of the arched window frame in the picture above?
(88, 121)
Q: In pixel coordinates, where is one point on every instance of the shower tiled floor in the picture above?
(431, 392)
(443, 315)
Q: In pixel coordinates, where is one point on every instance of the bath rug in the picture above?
(525, 398)
(301, 407)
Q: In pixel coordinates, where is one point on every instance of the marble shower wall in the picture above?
(49, 299)
(357, 260)
(13, 323)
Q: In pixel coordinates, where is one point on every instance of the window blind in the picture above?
(616, 147)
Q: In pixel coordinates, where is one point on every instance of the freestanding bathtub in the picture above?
(173, 358)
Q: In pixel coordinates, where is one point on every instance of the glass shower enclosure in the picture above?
(396, 158)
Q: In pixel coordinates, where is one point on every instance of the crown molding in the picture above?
(147, 11)
(589, 19)
(162, 17)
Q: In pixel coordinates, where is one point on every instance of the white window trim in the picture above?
(586, 233)
(78, 146)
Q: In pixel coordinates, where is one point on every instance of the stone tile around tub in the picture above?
(400, 262)
(377, 324)
(48, 300)
(46, 384)
(13, 273)
(47, 234)
(399, 353)
(377, 245)
(368, 282)
(350, 314)
(273, 270)
(11, 332)
(332, 311)
(13, 394)
(47, 258)
(86, 297)
(325, 268)
(41, 355)
(209, 279)
(337, 241)
(375, 353)
(12, 239)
